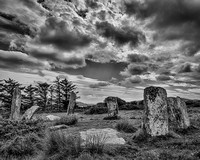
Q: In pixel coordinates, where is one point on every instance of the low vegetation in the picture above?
(66, 120)
(126, 127)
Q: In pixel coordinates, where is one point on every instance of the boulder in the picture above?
(155, 120)
(178, 116)
(16, 104)
(30, 112)
(104, 136)
(72, 101)
(52, 117)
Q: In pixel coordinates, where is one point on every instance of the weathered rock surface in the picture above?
(155, 120)
(106, 135)
(178, 116)
(52, 117)
(72, 101)
(30, 112)
(16, 104)
(58, 127)
(112, 105)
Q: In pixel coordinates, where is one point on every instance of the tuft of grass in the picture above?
(85, 156)
(66, 120)
(21, 146)
(126, 127)
(58, 146)
(95, 143)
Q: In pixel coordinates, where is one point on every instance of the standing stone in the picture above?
(16, 104)
(72, 101)
(155, 120)
(112, 105)
(30, 112)
(178, 116)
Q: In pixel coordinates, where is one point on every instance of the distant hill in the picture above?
(83, 105)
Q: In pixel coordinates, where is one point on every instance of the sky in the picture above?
(106, 47)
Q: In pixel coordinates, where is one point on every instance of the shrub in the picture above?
(126, 127)
(21, 146)
(95, 143)
(58, 146)
(66, 120)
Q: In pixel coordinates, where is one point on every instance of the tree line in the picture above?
(50, 97)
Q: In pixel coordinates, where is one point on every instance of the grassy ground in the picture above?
(162, 148)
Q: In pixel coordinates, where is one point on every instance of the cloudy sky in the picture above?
(106, 47)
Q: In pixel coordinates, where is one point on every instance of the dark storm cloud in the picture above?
(12, 24)
(16, 60)
(137, 58)
(184, 68)
(62, 37)
(198, 69)
(99, 85)
(135, 69)
(175, 19)
(120, 35)
(163, 78)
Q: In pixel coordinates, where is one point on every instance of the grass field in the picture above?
(67, 146)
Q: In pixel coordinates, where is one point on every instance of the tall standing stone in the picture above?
(155, 120)
(30, 112)
(178, 116)
(112, 105)
(72, 101)
(16, 104)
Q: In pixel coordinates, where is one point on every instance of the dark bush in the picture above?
(99, 108)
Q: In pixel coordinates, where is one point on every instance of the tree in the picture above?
(43, 90)
(66, 88)
(29, 97)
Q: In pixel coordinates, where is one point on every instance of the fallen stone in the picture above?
(16, 104)
(106, 136)
(53, 128)
(30, 112)
(52, 117)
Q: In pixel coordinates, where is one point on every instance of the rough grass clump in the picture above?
(58, 146)
(21, 146)
(95, 143)
(66, 120)
(126, 127)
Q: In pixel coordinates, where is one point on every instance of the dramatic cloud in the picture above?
(137, 58)
(135, 69)
(18, 60)
(56, 32)
(163, 78)
(172, 19)
(120, 35)
(185, 68)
